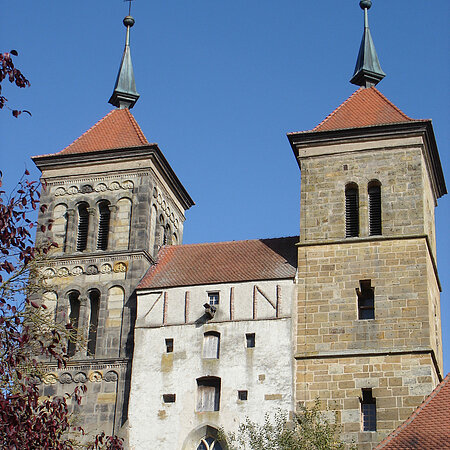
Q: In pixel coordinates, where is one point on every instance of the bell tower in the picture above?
(114, 200)
(368, 332)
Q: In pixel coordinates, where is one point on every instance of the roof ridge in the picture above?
(87, 131)
(337, 109)
(226, 242)
(392, 104)
(136, 127)
(414, 414)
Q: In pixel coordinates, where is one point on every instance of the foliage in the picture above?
(309, 429)
(13, 75)
(29, 334)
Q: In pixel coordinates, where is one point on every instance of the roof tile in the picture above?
(221, 262)
(365, 107)
(428, 428)
(118, 129)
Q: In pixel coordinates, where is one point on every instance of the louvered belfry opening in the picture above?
(351, 211)
(103, 225)
(83, 227)
(94, 297)
(374, 208)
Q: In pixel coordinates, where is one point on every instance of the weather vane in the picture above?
(129, 6)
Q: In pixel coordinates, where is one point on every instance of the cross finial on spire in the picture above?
(368, 71)
(125, 94)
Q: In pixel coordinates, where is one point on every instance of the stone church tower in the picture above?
(114, 200)
(368, 332)
(358, 324)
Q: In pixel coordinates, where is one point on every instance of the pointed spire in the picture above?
(368, 71)
(125, 94)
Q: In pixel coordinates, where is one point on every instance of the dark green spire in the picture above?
(125, 94)
(368, 71)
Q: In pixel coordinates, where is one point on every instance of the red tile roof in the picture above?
(118, 129)
(428, 428)
(365, 107)
(223, 262)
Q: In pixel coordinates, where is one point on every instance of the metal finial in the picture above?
(125, 94)
(368, 71)
(365, 4)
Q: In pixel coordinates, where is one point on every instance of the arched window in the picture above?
(60, 226)
(83, 226)
(153, 229)
(209, 443)
(211, 344)
(74, 317)
(94, 299)
(104, 215)
(351, 210)
(167, 235)
(374, 190)
(208, 394)
(174, 239)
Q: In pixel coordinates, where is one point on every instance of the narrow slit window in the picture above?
(169, 345)
(366, 300)
(250, 340)
(103, 225)
(375, 226)
(94, 298)
(368, 411)
(83, 226)
(208, 394)
(351, 211)
(211, 345)
(74, 317)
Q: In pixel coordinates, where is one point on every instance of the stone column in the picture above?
(92, 230)
(71, 241)
(112, 234)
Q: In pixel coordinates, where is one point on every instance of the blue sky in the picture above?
(221, 84)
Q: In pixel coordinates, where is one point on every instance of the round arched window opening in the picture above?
(209, 443)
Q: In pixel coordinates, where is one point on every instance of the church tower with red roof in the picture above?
(114, 201)
(368, 333)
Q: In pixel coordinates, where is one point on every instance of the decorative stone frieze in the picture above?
(89, 189)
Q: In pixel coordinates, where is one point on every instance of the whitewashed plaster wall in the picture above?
(265, 371)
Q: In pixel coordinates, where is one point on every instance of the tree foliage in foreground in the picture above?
(309, 429)
(27, 333)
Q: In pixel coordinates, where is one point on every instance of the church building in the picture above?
(182, 340)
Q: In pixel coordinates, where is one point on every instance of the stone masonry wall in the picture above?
(399, 383)
(324, 178)
(405, 290)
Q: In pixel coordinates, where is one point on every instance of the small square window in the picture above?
(250, 340)
(169, 398)
(242, 395)
(169, 345)
(213, 298)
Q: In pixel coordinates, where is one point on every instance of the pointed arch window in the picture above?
(209, 443)
(375, 226)
(94, 300)
(74, 317)
(351, 210)
(104, 215)
(83, 227)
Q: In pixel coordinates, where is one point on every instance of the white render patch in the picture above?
(265, 371)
